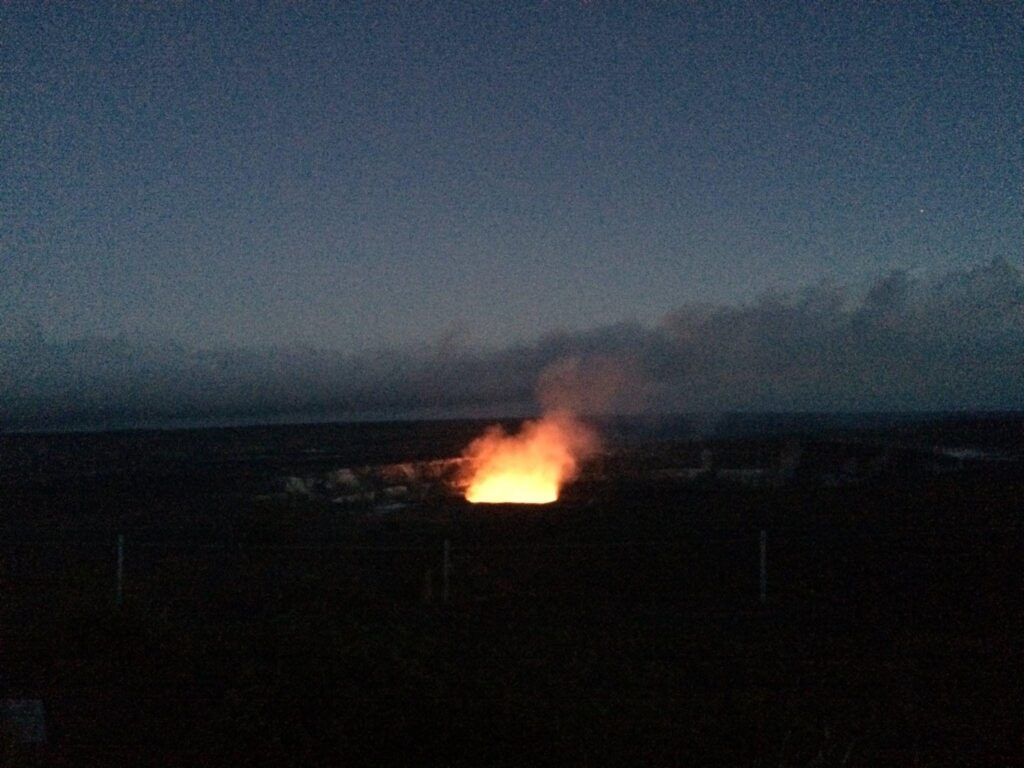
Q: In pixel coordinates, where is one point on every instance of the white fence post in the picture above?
(446, 572)
(120, 569)
(764, 566)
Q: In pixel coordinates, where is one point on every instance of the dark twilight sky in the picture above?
(485, 176)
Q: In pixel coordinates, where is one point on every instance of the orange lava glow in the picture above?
(530, 467)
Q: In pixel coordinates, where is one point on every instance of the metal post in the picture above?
(446, 572)
(120, 568)
(764, 566)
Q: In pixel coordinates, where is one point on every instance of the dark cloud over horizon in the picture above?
(363, 176)
(956, 342)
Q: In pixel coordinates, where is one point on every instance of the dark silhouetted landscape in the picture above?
(286, 598)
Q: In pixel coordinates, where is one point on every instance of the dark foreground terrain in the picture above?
(621, 626)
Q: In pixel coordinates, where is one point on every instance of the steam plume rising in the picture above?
(531, 467)
(592, 384)
(911, 342)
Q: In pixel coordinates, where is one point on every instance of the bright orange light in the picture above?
(529, 467)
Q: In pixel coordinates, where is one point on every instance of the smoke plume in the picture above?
(907, 343)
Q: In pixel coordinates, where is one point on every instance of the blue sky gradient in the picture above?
(354, 178)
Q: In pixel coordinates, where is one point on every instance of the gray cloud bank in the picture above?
(956, 342)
